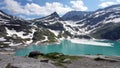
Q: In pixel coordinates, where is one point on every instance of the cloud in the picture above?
(35, 9)
(24, 17)
(14, 7)
(29, 0)
(47, 9)
(78, 5)
(108, 3)
(118, 1)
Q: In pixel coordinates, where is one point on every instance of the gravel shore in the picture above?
(82, 62)
(22, 62)
(90, 62)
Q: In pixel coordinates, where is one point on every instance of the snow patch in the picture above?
(55, 32)
(12, 44)
(89, 42)
(2, 39)
(116, 20)
(73, 28)
(21, 34)
(46, 38)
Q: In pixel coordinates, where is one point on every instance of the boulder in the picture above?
(46, 61)
(66, 60)
(34, 54)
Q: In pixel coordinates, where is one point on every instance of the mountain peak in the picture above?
(51, 16)
(54, 14)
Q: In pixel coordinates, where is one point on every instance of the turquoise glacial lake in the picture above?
(104, 47)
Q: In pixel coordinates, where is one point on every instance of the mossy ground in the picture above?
(58, 58)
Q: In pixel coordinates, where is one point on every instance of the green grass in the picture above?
(39, 35)
(58, 58)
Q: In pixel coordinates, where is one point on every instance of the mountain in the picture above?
(17, 31)
(51, 27)
(52, 21)
(14, 30)
(75, 15)
(100, 24)
(103, 23)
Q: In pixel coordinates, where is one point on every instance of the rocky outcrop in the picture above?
(35, 53)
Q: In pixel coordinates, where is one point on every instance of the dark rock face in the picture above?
(104, 23)
(55, 26)
(112, 34)
(35, 53)
(52, 21)
(83, 37)
(12, 22)
(8, 22)
(75, 15)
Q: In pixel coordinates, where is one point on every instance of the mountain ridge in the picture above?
(75, 15)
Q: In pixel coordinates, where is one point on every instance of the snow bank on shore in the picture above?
(89, 42)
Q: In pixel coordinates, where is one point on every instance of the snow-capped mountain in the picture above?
(75, 15)
(103, 23)
(52, 21)
(14, 30)
(52, 24)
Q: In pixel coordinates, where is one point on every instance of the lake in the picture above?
(76, 47)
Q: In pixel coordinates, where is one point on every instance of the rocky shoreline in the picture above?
(22, 62)
(86, 61)
(95, 62)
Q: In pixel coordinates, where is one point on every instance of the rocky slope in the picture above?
(14, 30)
(75, 15)
(103, 23)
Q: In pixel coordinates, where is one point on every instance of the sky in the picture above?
(29, 9)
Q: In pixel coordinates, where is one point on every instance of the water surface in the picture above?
(70, 48)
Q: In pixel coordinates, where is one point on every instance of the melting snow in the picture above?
(55, 32)
(46, 38)
(12, 44)
(89, 42)
(115, 20)
(2, 39)
(71, 27)
(20, 34)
